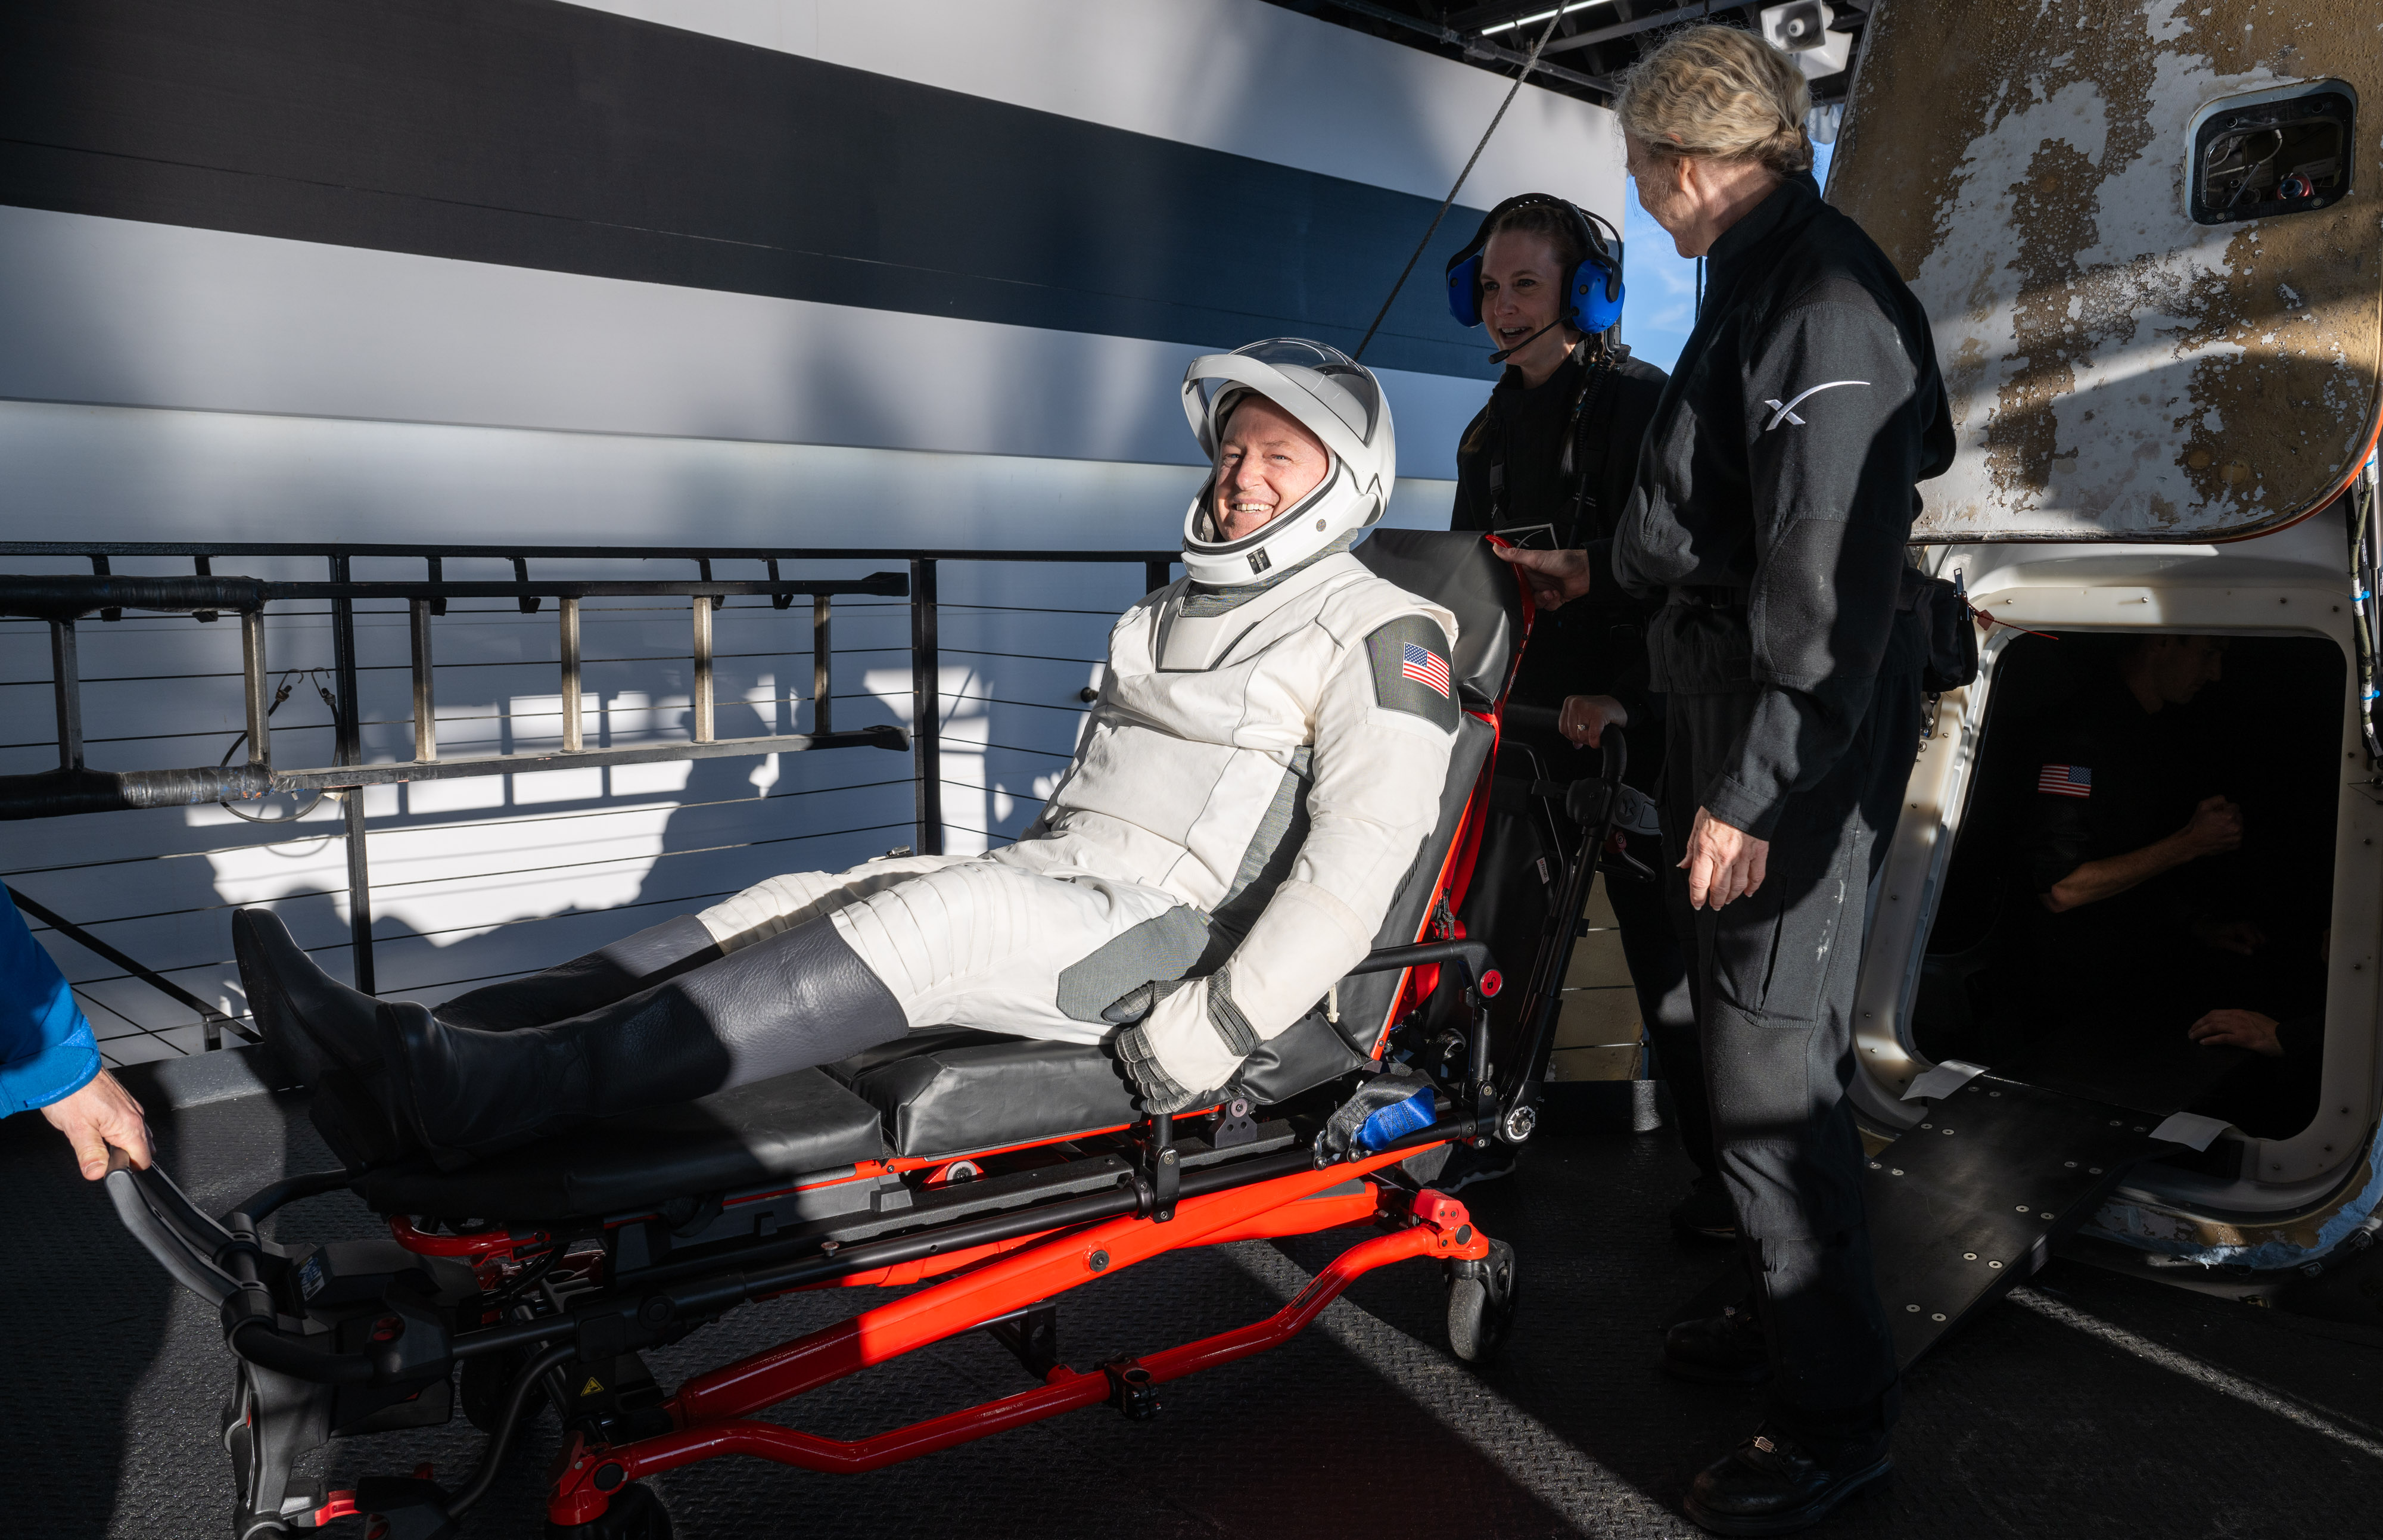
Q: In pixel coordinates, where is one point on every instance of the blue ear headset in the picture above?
(1592, 289)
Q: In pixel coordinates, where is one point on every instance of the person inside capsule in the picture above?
(1161, 904)
(2132, 932)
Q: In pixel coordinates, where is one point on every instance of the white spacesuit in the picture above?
(1243, 704)
(1265, 755)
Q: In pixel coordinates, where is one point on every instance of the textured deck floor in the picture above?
(2089, 1405)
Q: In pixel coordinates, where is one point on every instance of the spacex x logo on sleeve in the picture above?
(1785, 412)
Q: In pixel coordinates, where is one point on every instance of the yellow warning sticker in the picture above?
(593, 1387)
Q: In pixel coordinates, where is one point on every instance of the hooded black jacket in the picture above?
(1776, 489)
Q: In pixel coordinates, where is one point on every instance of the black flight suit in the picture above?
(2112, 778)
(1776, 493)
(1564, 453)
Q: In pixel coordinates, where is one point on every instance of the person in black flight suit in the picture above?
(1776, 493)
(1548, 463)
(2128, 927)
(2120, 938)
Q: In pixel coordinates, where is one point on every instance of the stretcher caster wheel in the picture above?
(1480, 1304)
(636, 1514)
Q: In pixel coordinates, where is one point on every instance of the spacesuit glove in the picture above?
(1136, 1003)
(1386, 1107)
(1157, 1089)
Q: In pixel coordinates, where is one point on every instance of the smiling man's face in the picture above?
(1266, 463)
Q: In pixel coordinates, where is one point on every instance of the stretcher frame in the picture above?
(994, 1270)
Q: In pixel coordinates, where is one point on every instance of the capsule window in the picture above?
(2289, 154)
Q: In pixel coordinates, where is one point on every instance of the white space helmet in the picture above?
(1339, 402)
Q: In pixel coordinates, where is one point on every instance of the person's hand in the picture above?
(2237, 1030)
(2216, 827)
(2238, 936)
(102, 1114)
(1723, 863)
(1556, 577)
(1584, 719)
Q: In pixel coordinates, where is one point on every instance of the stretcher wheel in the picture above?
(1480, 1303)
(634, 1514)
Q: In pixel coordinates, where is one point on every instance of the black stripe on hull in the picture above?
(544, 135)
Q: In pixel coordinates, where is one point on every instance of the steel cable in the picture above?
(1528, 64)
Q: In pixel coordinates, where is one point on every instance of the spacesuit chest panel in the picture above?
(1197, 755)
(1187, 642)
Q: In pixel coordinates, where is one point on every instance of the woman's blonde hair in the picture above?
(1719, 93)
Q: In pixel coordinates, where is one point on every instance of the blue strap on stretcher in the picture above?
(1395, 1122)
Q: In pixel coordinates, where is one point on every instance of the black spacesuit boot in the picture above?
(651, 956)
(798, 999)
(324, 1033)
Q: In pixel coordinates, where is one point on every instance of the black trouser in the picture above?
(1773, 982)
(1659, 973)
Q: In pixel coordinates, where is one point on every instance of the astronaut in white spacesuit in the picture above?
(1265, 757)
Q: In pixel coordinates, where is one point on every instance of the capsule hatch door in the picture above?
(2150, 239)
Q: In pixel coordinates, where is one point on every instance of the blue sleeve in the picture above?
(46, 1050)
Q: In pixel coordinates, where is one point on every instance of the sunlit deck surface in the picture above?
(2089, 1404)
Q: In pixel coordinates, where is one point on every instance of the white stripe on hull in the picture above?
(127, 312)
(134, 473)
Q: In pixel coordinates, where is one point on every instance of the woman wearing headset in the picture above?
(1548, 464)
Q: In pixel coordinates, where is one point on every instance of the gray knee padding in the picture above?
(1160, 948)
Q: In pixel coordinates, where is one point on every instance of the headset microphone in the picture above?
(1502, 354)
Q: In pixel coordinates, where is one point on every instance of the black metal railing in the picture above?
(64, 601)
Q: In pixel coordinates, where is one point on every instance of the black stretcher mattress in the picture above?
(788, 1127)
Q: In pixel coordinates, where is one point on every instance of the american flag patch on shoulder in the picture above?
(2064, 781)
(1412, 673)
(1425, 667)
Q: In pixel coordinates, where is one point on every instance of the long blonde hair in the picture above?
(1719, 93)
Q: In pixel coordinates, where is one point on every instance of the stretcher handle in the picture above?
(1533, 719)
(267, 1348)
(195, 1250)
(150, 1205)
(1473, 953)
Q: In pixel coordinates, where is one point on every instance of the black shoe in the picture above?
(1706, 1213)
(1728, 1348)
(310, 1020)
(325, 1033)
(1767, 1486)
